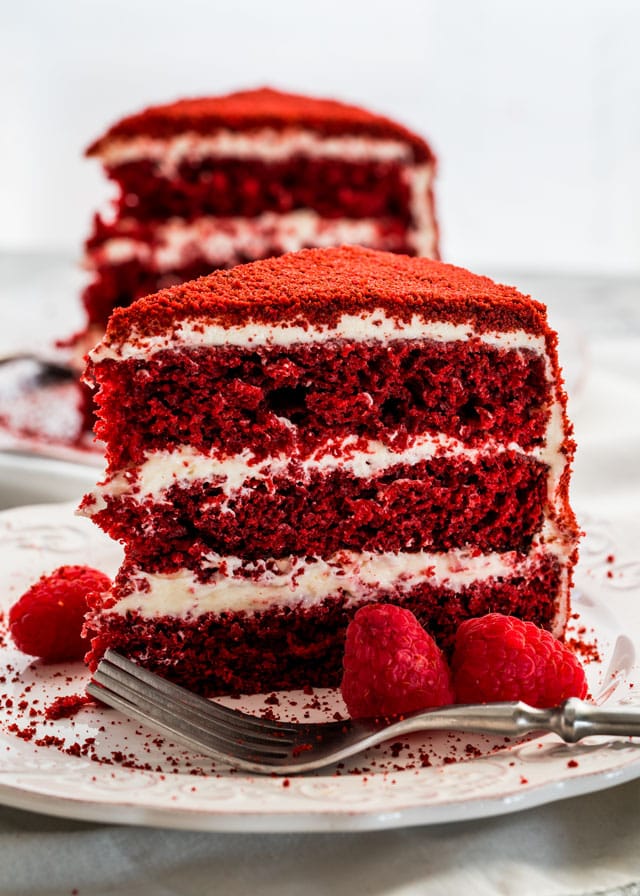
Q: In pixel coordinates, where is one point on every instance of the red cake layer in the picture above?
(319, 286)
(235, 399)
(492, 504)
(293, 647)
(252, 110)
(248, 187)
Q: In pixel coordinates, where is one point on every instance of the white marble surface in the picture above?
(584, 845)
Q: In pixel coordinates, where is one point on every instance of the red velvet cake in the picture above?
(211, 183)
(293, 438)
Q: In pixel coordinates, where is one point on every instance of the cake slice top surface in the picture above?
(318, 287)
(252, 110)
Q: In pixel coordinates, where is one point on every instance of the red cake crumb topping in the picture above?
(47, 620)
(251, 110)
(391, 665)
(318, 286)
(499, 657)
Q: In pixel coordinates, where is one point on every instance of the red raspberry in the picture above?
(500, 657)
(47, 620)
(391, 665)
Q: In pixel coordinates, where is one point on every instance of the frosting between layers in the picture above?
(185, 465)
(369, 326)
(218, 241)
(266, 144)
(238, 586)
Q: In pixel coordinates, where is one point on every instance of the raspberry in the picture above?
(47, 620)
(500, 657)
(391, 665)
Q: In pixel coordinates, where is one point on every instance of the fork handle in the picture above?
(572, 720)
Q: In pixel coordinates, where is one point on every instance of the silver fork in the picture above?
(260, 745)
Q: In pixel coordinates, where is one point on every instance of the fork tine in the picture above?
(206, 746)
(152, 701)
(236, 738)
(179, 728)
(233, 719)
(138, 693)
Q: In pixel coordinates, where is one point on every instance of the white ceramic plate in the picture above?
(30, 479)
(97, 765)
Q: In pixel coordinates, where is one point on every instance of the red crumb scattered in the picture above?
(301, 748)
(65, 707)
(313, 703)
(27, 733)
(587, 649)
(523, 780)
(47, 620)
(286, 782)
(51, 740)
(391, 665)
(499, 657)
(272, 700)
(611, 558)
(572, 763)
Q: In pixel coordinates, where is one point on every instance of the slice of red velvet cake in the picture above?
(210, 183)
(298, 436)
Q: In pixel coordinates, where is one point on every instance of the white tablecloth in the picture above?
(585, 845)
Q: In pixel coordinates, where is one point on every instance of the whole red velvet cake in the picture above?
(296, 437)
(210, 183)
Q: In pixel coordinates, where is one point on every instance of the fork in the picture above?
(255, 744)
(51, 362)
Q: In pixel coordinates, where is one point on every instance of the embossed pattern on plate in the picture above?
(98, 765)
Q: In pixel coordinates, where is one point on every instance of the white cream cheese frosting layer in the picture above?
(266, 144)
(369, 326)
(307, 581)
(218, 241)
(184, 465)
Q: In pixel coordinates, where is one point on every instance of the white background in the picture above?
(532, 107)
